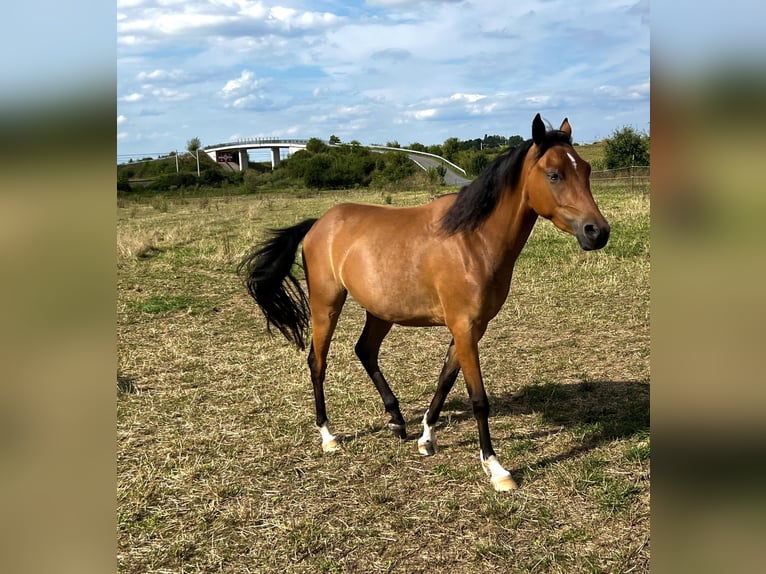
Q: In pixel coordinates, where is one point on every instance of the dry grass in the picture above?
(219, 465)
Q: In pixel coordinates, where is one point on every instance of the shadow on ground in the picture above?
(595, 412)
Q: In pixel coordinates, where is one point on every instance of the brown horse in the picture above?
(448, 262)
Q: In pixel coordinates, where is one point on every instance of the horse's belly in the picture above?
(399, 305)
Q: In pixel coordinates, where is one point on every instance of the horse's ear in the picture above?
(566, 128)
(538, 130)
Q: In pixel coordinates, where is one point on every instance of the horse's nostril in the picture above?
(591, 230)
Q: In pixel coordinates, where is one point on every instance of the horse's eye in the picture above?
(554, 176)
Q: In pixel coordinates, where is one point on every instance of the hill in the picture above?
(593, 153)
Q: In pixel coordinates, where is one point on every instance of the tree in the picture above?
(515, 141)
(626, 147)
(315, 145)
(193, 146)
(476, 162)
(334, 140)
(436, 174)
(450, 148)
(393, 166)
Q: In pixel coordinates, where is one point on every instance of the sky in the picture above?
(376, 71)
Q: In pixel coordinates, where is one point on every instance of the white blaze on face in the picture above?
(572, 159)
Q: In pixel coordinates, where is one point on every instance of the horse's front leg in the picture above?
(450, 370)
(467, 350)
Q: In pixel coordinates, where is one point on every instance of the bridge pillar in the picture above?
(243, 160)
(274, 157)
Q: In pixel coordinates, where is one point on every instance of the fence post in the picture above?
(631, 179)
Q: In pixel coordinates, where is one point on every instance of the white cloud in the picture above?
(377, 70)
(121, 119)
(159, 74)
(130, 40)
(245, 83)
(406, 3)
(631, 92)
(243, 102)
(470, 98)
(169, 94)
(539, 101)
(134, 97)
(215, 18)
(289, 18)
(427, 114)
(172, 23)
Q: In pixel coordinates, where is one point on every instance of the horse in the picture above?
(445, 263)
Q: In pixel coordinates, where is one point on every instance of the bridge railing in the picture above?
(415, 152)
(257, 141)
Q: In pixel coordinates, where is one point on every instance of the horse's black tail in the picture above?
(267, 273)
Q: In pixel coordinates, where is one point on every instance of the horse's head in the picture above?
(558, 186)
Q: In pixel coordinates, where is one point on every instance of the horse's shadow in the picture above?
(595, 412)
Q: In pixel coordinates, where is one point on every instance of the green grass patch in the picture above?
(219, 464)
(163, 304)
(638, 452)
(616, 494)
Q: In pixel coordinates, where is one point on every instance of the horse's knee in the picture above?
(480, 407)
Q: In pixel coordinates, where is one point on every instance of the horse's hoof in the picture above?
(330, 446)
(499, 477)
(503, 484)
(426, 448)
(399, 431)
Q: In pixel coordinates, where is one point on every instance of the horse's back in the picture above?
(347, 224)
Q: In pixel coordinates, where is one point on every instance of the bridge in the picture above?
(236, 151)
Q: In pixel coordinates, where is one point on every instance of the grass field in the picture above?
(219, 463)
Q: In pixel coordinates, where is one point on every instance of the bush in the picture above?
(172, 181)
(392, 167)
(251, 181)
(436, 175)
(625, 148)
(211, 177)
(476, 163)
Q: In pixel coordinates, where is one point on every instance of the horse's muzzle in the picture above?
(592, 235)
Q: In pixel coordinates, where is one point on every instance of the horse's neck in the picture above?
(507, 230)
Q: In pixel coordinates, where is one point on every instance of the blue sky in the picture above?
(376, 70)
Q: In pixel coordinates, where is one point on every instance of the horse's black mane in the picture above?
(479, 198)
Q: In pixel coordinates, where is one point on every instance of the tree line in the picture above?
(337, 165)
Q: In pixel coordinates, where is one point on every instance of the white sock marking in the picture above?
(429, 436)
(327, 436)
(493, 467)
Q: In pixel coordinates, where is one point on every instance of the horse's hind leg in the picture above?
(324, 318)
(450, 370)
(367, 349)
